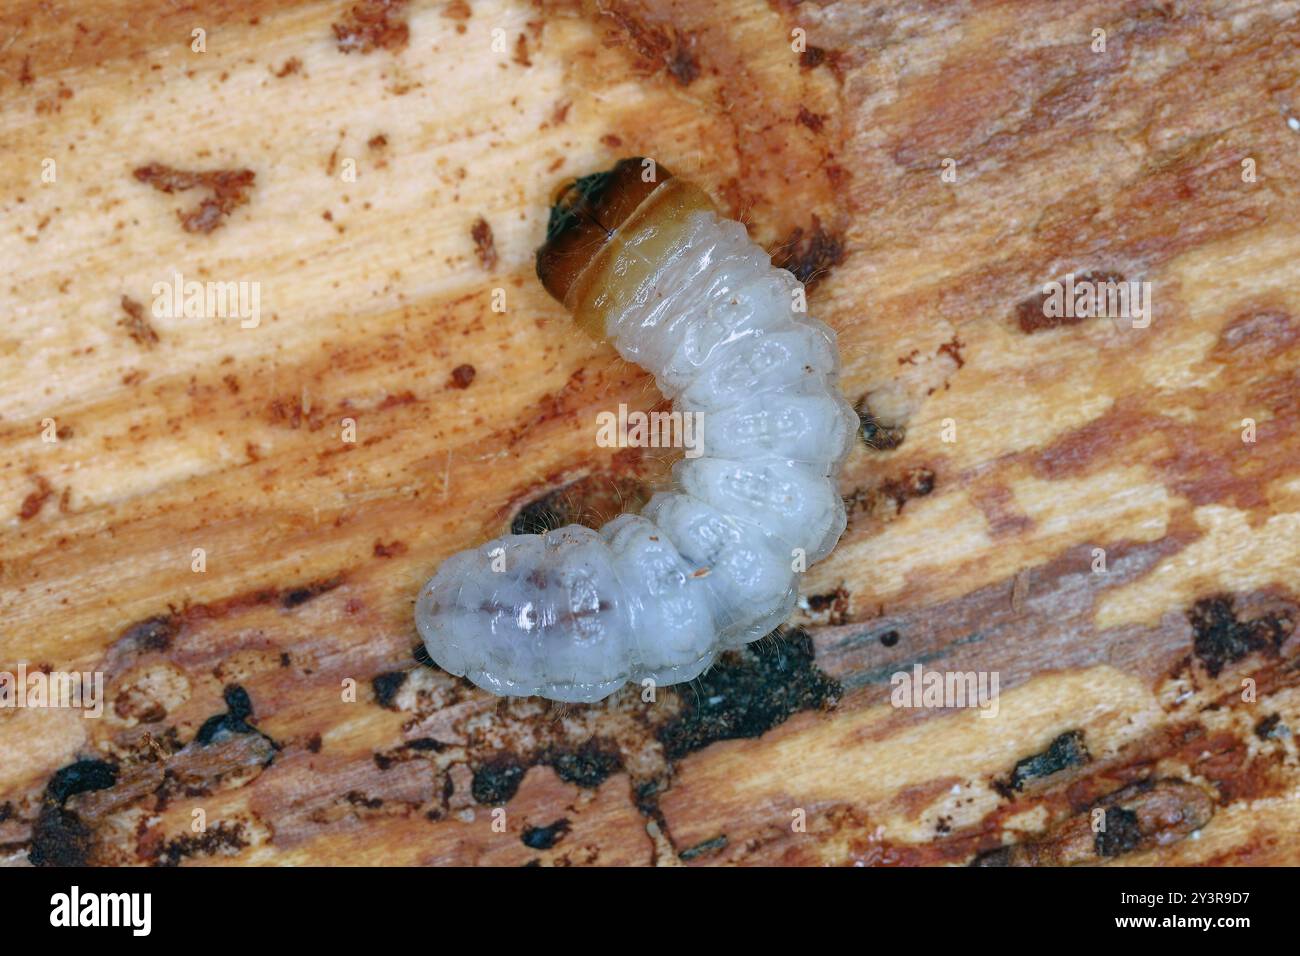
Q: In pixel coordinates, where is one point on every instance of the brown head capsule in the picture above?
(609, 234)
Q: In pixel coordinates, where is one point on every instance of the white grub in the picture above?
(710, 564)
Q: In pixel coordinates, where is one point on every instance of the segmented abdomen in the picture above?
(574, 614)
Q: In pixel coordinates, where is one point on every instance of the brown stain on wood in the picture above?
(484, 244)
(373, 25)
(229, 190)
(35, 500)
(136, 325)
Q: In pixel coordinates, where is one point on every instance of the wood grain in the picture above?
(1159, 693)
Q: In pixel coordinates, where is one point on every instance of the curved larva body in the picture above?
(574, 614)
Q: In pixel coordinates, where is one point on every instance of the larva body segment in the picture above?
(710, 564)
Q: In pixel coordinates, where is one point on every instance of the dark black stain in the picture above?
(647, 796)
(59, 836)
(295, 597)
(810, 254)
(235, 721)
(889, 638)
(1121, 833)
(822, 602)
(1067, 750)
(701, 849)
(211, 841)
(407, 751)
(80, 777)
(496, 781)
(151, 634)
(834, 604)
(386, 687)
(1271, 727)
(749, 692)
(448, 788)
(543, 838)
(1220, 638)
(1000, 856)
(587, 766)
(239, 710)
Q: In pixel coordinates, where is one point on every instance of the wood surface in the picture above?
(1160, 692)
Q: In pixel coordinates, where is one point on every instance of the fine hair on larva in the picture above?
(712, 562)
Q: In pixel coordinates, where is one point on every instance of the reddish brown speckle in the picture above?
(373, 25)
(814, 121)
(484, 243)
(457, 10)
(952, 349)
(521, 51)
(35, 501)
(136, 325)
(660, 46)
(811, 57)
(390, 550)
(229, 190)
(462, 376)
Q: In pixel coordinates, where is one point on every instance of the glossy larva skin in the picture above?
(574, 614)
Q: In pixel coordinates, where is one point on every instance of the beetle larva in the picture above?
(712, 563)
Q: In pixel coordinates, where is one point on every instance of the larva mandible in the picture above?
(573, 614)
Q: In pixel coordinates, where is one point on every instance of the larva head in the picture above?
(604, 232)
(584, 217)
